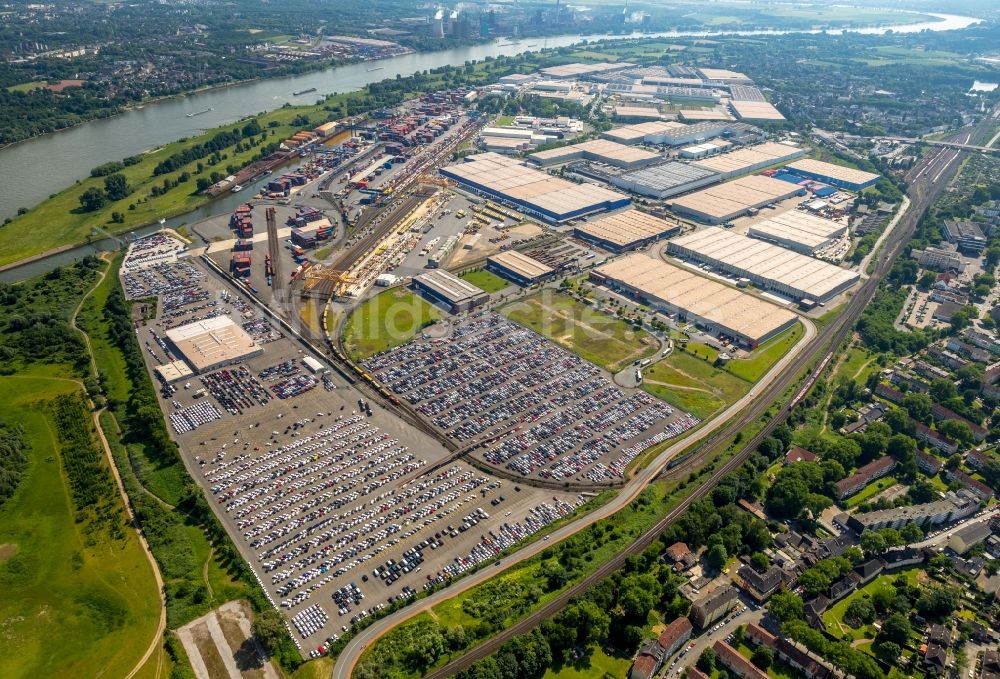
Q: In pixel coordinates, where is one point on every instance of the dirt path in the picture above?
(204, 572)
(162, 625)
(681, 387)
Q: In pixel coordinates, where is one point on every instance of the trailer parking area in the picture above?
(339, 506)
(525, 404)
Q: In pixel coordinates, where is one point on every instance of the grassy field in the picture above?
(504, 121)
(486, 280)
(385, 321)
(62, 586)
(693, 384)
(870, 491)
(598, 664)
(27, 87)
(834, 616)
(602, 339)
(766, 355)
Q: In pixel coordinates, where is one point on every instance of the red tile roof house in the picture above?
(797, 454)
(652, 654)
(983, 491)
(736, 663)
(674, 636)
(865, 475)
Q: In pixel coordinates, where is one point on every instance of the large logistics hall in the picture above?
(838, 175)
(439, 286)
(799, 231)
(601, 150)
(212, 343)
(718, 308)
(626, 230)
(755, 110)
(531, 191)
(518, 267)
(767, 266)
(750, 159)
(719, 204)
(657, 181)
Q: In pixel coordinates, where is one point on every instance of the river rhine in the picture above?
(50, 163)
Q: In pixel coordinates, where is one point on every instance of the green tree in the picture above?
(116, 187)
(92, 199)
(919, 407)
(897, 629)
(859, 612)
(706, 661)
(763, 657)
(717, 556)
(786, 606)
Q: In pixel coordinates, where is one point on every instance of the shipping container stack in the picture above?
(241, 222)
(243, 245)
(240, 264)
(305, 238)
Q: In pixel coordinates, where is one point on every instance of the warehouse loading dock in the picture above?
(722, 203)
(531, 191)
(767, 266)
(626, 230)
(714, 306)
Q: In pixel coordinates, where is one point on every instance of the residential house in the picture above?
(865, 475)
(953, 507)
(991, 665)
(946, 358)
(648, 661)
(846, 585)
(939, 413)
(982, 491)
(889, 394)
(799, 454)
(674, 636)
(965, 349)
(933, 438)
(911, 382)
(928, 463)
(977, 459)
(735, 662)
(869, 570)
(713, 605)
(760, 586)
(981, 339)
(800, 658)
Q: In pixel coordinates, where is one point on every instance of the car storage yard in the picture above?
(338, 505)
(524, 403)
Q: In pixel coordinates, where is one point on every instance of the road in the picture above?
(925, 185)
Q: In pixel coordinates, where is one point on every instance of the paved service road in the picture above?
(353, 650)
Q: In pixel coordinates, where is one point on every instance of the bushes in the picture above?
(12, 459)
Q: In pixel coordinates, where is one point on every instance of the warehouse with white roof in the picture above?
(626, 230)
(601, 150)
(518, 267)
(531, 191)
(799, 231)
(829, 173)
(767, 266)
(212, 343)
(721, 203)
(718, 308)
(751, 158)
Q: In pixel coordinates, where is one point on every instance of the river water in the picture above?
(47, 164)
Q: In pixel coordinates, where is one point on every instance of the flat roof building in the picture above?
(837, 175)
(966, 235)
(643, 132)
(755, 110)
(601, 150)
(536, 193)
(625, 230)
(668, 133)
(719, 204)
(657, 181)
(751, 158)
(694, 115)
(799, 231)
(767, 266)
(173, 371)
(212, 343)
(718, 308)
(442, 287)
(518, 267)
(582, 70)
(633, 114)
(723, 75)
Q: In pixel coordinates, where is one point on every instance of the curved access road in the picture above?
(348, 658)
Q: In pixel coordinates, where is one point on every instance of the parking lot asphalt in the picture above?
(529, 405)
(337, 505)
